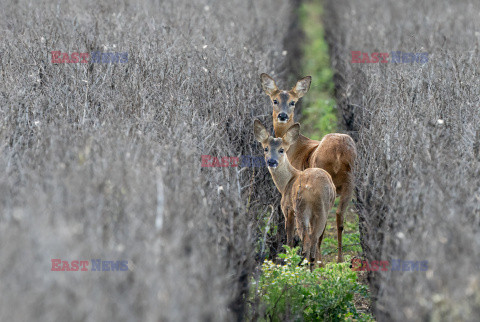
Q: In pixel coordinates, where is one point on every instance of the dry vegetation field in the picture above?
(103, 161)
(417, 128)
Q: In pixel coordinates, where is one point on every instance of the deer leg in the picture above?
(319, 223)
(304, 236)
(313, 248)
(290, 227)
(345, 197)
(319, 252)
(339, 235)
(306, 245)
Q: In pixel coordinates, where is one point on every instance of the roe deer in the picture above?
(335, 153)
(307, 196)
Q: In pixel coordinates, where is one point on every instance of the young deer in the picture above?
(307, 196)
(335, 153)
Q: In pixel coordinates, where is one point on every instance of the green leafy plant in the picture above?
(291, 291)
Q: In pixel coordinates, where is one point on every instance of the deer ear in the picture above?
(291, 136)
(261, 134)
(268, 84)
(302, 86)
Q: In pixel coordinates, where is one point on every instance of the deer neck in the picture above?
(282, 175)
(281, 128)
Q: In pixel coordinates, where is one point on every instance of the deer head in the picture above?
(283, 101)
(275, 149)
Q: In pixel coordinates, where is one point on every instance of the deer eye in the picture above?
(275, 102)
(266, 149)
(292, 103)
(281, 150)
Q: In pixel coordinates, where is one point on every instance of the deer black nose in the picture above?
(282, 116)
(272, 163)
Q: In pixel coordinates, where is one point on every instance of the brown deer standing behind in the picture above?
(335, 153)
(307, 196)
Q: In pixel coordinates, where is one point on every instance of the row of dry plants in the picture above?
(103, 161)
(417, 128)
